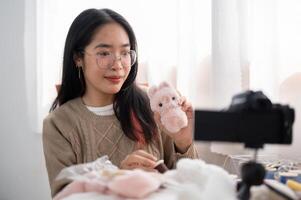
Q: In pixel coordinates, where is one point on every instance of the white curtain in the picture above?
(229, 59)
(209, 49)
(257, 45)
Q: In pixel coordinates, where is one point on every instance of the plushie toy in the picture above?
(134, 184)
(165, 100)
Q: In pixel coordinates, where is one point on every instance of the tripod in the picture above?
(252, 173)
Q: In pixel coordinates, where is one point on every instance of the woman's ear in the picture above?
(78, 59)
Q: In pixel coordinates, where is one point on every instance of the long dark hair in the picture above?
(130, 101)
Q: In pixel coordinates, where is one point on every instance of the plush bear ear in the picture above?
(163, 84)
(151, 91)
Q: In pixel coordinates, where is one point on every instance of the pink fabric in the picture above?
(133, 184)
(81, 187)
(137, 184)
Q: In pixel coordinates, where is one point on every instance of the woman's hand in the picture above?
(139, 159)
(182, 139)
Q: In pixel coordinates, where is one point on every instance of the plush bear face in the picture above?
(163, 98)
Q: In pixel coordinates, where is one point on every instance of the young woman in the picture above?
(99, 109)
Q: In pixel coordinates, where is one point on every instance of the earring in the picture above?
(79, 71)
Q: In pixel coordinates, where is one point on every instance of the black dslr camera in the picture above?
(251, 119)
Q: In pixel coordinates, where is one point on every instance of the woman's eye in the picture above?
(173, 98)
(160, 104)
(125, 53)
(103, 54)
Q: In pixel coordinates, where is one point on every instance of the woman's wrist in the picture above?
(182, 146)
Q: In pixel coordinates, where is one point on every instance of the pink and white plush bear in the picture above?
(165, 100)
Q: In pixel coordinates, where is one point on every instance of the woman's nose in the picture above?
(117, 65)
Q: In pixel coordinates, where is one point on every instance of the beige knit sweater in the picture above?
(72, 135)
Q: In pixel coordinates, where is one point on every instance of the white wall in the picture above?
(22, 170)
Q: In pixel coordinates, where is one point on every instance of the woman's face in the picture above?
(103, 80)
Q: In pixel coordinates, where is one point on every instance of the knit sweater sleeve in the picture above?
(171, 156)
(58, 152)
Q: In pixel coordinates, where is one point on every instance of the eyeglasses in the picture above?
(106, 59)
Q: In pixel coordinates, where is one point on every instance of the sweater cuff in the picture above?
(190, 153)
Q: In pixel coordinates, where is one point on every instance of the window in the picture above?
(173, 37)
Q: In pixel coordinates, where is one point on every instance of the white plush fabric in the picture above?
(198, 180)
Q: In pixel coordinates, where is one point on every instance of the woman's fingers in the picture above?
(145, 155)
(142, 161)
(139, 159)
(187, 107)
(182, 100)
(185, 104)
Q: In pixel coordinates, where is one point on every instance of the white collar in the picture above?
(103, 110)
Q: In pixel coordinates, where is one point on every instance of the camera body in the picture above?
(251, 119)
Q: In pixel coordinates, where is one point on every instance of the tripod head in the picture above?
(252, 173)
